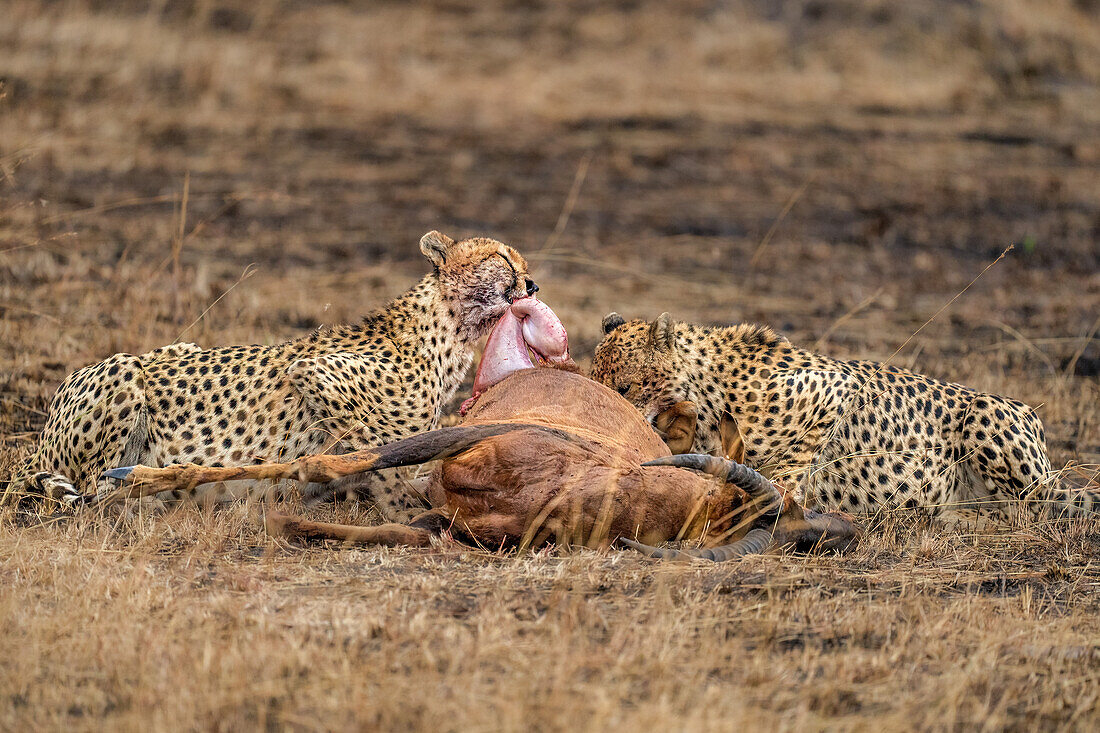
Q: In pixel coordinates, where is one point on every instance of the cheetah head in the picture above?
(479, 278)
(641, 362)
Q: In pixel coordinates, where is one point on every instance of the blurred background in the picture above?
(221, 172)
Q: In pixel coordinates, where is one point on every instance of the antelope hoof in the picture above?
(120, 473)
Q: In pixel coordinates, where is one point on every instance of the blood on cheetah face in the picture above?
(641, 362)
(479, 278)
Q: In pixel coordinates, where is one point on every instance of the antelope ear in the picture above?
(435, 246)
(677, 424)
(612, 321)
(733, 442)
(662, 333)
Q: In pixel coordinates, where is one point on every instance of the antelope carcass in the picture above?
(547, 455)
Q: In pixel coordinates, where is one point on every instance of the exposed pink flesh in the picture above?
(542, 330)
(527, 324)
(505, 353)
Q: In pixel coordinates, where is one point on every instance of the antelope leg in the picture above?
(139, 481)
(391, 535)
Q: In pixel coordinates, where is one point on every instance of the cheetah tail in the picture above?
(31, 491)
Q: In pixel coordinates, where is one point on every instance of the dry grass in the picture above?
(839, 170)
(196, 620)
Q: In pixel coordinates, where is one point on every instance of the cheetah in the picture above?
(856, 435)
(342, 388)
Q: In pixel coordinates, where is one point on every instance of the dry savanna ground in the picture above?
(226, 172)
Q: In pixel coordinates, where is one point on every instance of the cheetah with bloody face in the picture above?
(855, 435)
(342, 388)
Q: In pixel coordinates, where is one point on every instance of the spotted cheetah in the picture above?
(341, 388)
(855, 435)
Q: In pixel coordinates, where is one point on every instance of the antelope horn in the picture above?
(816, 532)
(768, 500)
(435, 444)
(755, 542)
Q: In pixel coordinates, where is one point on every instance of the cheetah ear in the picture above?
(435, 246)
(612, 321)
(662, 333)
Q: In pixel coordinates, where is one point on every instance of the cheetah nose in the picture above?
(532, 288)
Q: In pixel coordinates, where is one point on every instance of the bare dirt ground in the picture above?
(841, 171)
